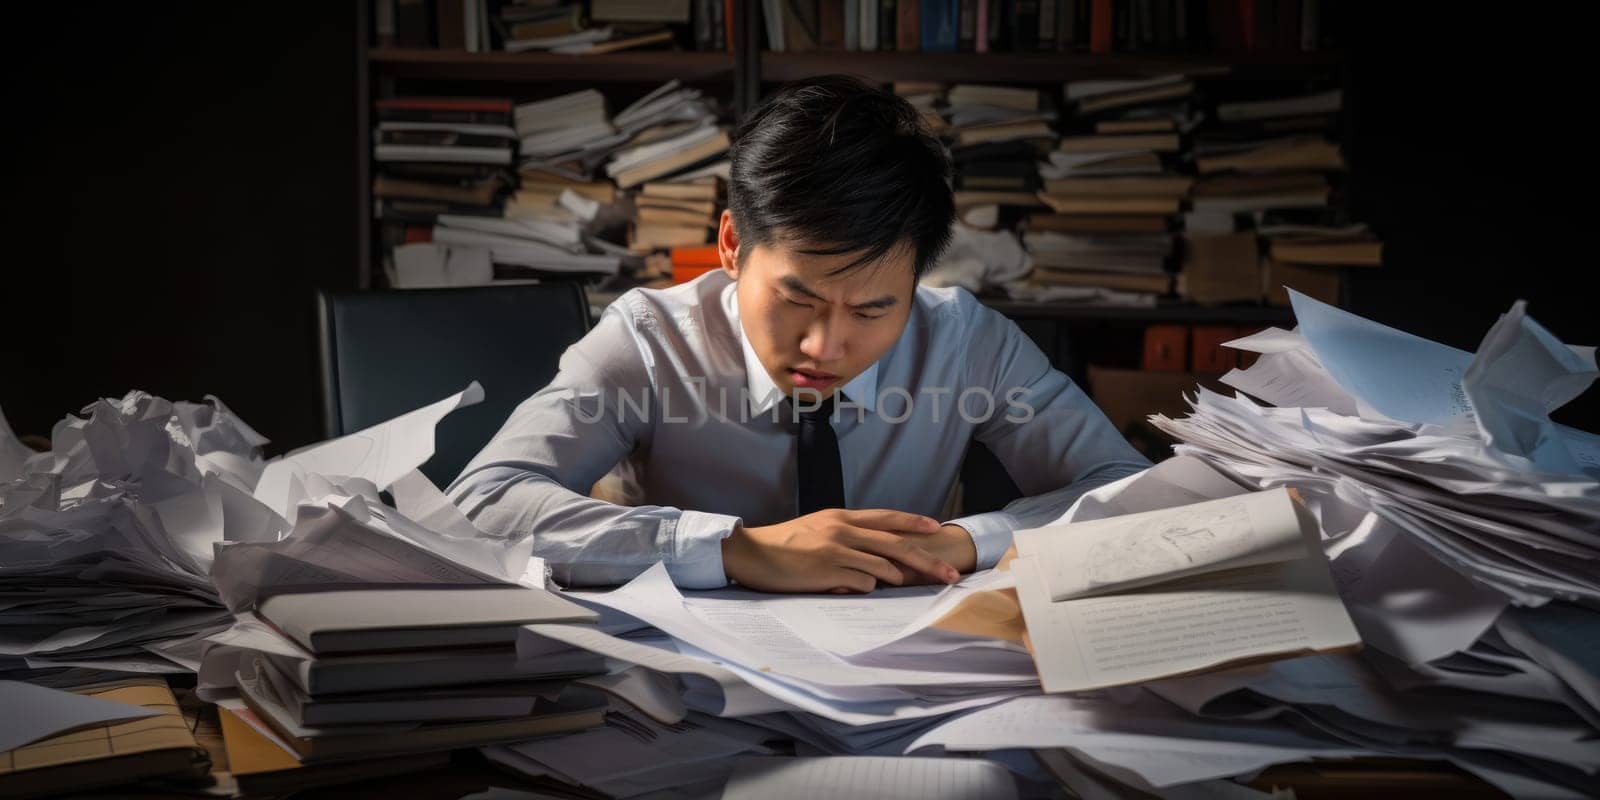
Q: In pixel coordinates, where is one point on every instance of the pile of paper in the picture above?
(1455, 450)
(1463, 529)
(106, 540)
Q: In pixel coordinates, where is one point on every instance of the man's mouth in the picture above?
(812, 379)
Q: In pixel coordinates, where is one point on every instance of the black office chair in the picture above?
(384, 353)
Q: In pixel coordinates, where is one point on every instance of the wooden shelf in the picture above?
(641, 65)
(661, 65)
(1029, 67)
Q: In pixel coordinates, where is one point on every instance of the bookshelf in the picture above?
(746, 73)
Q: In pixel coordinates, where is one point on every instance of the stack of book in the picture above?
(1264, 155)
(572, 128)
(997, 134)
(523, 25)
(671, 214)
(611, 25)
(661, 157)
(437, 156)
(1113, 187)
(524, 248)
(441, 155)
(1310, 253)
(1272, 169)
(375, 673)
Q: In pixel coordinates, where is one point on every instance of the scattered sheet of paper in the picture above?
(35, 712)
(380, 454)
(869, 778)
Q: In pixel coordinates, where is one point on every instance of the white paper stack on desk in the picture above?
(105, 540)
(848, 674)
(385, 671)
(1463, 528)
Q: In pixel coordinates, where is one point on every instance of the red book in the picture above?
(1100, 28)
(727, 19)
(418, 233)
(908, 26)
(1166, 348)
(696, 256)
(1209, 354)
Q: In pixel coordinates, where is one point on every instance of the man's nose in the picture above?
(823, 341)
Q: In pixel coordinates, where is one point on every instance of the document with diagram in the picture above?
(1161, 593)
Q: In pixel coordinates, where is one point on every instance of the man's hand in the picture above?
(837, 550)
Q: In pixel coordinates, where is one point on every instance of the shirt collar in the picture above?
(862, 390)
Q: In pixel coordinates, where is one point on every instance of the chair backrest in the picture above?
(384, 353)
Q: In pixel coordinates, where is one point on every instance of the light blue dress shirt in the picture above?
(668, 381)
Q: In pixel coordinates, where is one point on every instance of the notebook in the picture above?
(368, 620)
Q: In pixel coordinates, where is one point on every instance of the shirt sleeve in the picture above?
(533, 477)
(1053, 441)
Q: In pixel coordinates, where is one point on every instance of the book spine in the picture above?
(1024, 25)
(1047, 24)
(413, 26)
(830, 21)
(868, 26)
(938, 31)
(888, 18)
(908, 28)
(1101, 26)
(966, 26)
(982, 34)
(450, 16)
(702, 25)
(997, 26)
(383, 22)
(1310, 11)
(852, 24)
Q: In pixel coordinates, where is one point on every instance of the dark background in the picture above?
(179, 182)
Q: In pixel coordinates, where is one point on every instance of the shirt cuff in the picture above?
(696, 561)
(991, 535)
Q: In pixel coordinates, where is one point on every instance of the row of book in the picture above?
(575, 27)
(1114, 185)
(469, 190)
(1098, 26)
(979, 26)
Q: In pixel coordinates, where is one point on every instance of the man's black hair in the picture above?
(832, 166)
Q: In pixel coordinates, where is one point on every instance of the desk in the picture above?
(469, 773)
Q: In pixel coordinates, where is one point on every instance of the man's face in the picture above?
(814, 330)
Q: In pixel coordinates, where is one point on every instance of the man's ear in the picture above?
(728, 245)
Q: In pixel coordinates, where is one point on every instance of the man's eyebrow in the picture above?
(882, 302)
(793, 284)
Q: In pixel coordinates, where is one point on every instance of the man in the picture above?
(797, 418)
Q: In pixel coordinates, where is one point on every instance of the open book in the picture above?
(1163, 593)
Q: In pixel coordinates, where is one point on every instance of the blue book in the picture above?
(939, 22)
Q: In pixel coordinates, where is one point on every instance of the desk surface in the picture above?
(469, 773)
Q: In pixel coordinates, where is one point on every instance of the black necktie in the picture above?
(821, 478)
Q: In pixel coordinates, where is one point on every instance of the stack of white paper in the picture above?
(1455, 450)
(105, 540)
(1463, 529)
